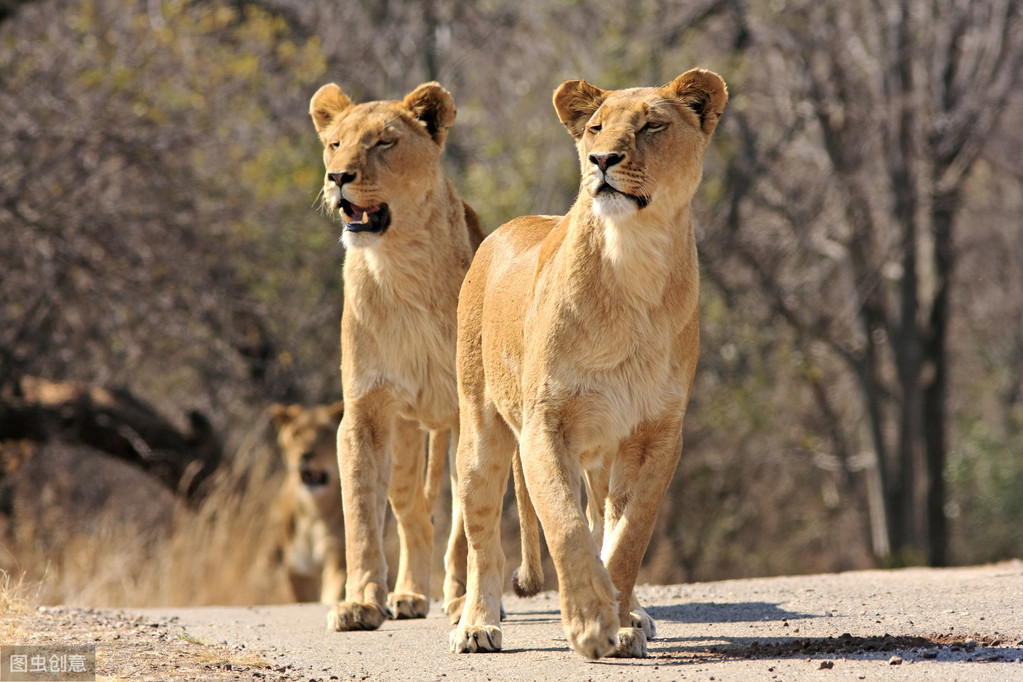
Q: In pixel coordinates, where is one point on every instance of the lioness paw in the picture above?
(408, 605)
(348, 615)
(475, 639)
(454, 609)
(594, 639)
(631, 643)
(642, 620)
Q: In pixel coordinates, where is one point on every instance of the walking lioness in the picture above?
(408, 242)
(577, 342)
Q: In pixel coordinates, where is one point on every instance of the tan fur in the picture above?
(409, 241)
(313, 531)
(578, 338)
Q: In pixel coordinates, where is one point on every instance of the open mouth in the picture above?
(357, 218)
(638, 199)
(313, 479)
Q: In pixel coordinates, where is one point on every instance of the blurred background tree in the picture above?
(860, 394)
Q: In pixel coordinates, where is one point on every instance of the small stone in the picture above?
(826, 665)
(895, 660)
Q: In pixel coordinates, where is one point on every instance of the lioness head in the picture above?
(636, 146)
(307, 437)
(381, 158)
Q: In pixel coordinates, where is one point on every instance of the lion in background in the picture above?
(313, 531)
(409, 240)
(578, 338)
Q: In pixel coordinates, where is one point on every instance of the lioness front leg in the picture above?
(363, 447)
(639, 478)
(484, 463)
(410, 598)
(589, 608)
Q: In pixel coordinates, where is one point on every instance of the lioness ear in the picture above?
(434, 107)
(326, 104)
(284, 414)
(575, 102)
(704, 92)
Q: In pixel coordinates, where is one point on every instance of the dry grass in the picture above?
(14, 603)
(128, 542)
(80, 529)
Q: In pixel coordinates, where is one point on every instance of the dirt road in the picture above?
(914, 624)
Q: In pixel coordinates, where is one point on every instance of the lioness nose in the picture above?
(605, 161)
(341, 177)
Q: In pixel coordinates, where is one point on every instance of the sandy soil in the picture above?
(948, 624)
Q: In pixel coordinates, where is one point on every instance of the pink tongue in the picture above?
(359, 210)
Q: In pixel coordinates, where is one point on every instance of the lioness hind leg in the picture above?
(415, 530)
(485, 454)
(527, 579)
(456, 556)
(332, 585)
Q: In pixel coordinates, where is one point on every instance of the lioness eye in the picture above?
(385, 144)
(594, 129)
(652, 127)
(335, 145)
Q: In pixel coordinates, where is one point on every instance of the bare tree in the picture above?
(148, 208)
(889, 107)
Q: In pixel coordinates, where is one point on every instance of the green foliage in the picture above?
(180, 128)
(985, 478)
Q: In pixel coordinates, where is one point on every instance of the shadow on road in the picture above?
(707, 612)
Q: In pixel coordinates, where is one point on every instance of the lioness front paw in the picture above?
(475, 639)
(350, 615)
(593, 639)
(631, 643)
(590, 617)
(408, 605)
(642, 620)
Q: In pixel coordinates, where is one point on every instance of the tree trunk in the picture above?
(936, 392)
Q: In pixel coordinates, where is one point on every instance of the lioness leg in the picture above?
(363, 449)
(438, 453)
(415, 530)
(639, 478)
(485, 453)
(588, 600)
(527, 579)
(332, 586)
(456, 556)
(596, 481)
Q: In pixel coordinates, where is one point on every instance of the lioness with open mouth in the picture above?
(408, 242)
(578, 338)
